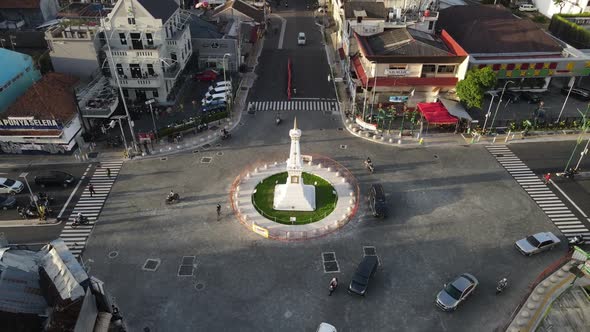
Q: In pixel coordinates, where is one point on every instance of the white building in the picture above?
(549, 8)
(150, 44)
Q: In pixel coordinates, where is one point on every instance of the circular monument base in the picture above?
(344, 183)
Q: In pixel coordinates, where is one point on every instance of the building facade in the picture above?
(18, 74)
(516, 50)
(147, 44)
(212, 45)
(405, 66)
(44, 119)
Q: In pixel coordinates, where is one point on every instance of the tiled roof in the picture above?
(162, 9)
(493, 29)
(402, 42)
(242, 7)
(51, 98)
(371, 9)
(18, 4)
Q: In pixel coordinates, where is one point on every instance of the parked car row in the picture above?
(9, 187)
(218, 92)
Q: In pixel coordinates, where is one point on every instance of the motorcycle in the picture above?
(82, 220)
(370, 167)
(502, 284)
(278, 120)
(225, 136)
(333, 285)
(570, 173)
(173, 199)
(576, 241)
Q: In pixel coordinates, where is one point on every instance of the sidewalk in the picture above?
(162, 149)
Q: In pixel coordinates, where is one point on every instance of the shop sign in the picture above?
(20, 123)
(396, 72)
(398, 99)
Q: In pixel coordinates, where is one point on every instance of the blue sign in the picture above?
(398, 99)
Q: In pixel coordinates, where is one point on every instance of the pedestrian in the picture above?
(108, 172)
(333, 285)
(547, 178)
(218, 210)
(91, 189)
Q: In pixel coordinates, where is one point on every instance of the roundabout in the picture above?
(304, 197)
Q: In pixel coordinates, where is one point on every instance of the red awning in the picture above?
(436, 113)
(360, 71)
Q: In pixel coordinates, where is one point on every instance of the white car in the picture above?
(8, 186)
(301, 38)
(220, 84)
(526, 7)
(534, 244)
(218, 90)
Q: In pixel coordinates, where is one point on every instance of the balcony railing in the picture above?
(147, 82)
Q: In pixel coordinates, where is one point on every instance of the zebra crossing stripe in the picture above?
(292, 105)
(567, 222)
(571, 226)
(90, 206)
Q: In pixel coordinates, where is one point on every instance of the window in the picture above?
(149, 38)
(131, 20)
(150, 69)
(428, 69)
(123, 39)
(135, 70)
(430, 25)
(120, 71)
(155, 94)
(173, 56)
(136, 41)
(446, 69)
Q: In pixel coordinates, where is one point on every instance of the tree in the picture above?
(471, 89)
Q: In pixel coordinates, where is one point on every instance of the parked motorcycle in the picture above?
(570, 173)
(576, 241)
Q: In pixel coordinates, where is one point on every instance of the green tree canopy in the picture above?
(472, 88)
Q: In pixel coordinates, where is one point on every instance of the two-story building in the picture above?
(18, 74)
(516, 49)
(147, 44)
(405, 66)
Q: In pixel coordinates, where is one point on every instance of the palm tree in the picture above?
(560, 4)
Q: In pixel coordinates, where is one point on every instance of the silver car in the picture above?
(534, 244)
(456, 291)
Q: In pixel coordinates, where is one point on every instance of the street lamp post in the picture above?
(33, 198)
(149, 103)
(565, 101)
(494, 95)
(224, 77)
(119, 117)
(499, 102)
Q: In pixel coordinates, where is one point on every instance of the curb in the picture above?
(23, 223)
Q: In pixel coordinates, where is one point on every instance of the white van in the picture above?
(221, 89)
(525, 7)
(220, 84)
(209, 99)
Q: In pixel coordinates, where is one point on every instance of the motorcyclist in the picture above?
(224, 132)
(80, 218)
(502, 284)
(171, 195)
(333, 285)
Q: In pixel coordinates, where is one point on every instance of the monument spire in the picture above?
(295, 125)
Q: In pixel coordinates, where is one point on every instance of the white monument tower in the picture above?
(294, 195)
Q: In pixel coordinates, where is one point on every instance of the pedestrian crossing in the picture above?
(325, 105)
(90, 205)
(535, 186)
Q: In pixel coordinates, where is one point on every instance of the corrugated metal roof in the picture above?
(20, 291)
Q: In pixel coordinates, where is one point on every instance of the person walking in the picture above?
(333, 285)
(547, 178)
(91, 189)
(108, 172)
(218, 211)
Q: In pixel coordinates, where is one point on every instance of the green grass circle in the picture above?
(325, 200)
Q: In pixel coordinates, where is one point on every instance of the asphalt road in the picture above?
(452, 210)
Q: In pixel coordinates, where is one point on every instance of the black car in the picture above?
(377, 201)
(7, 202)
(530, 97)
(364, 272)
(577, 93)
(55, 178)
(511, 96)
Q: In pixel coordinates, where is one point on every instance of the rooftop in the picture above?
(13, 63)
(161, 9)
(242, 7)
(365, 9)
(203, 29)
(51, 98)
(19, 4)
(493, 29)
(403, 42)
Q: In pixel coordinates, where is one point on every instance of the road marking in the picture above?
(73, 193)
(569, 199)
